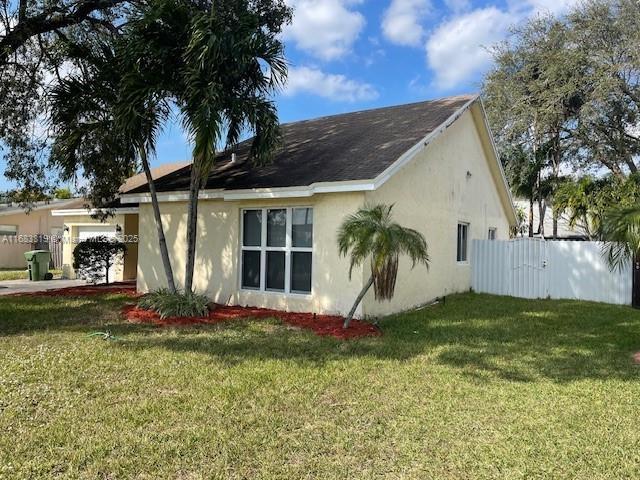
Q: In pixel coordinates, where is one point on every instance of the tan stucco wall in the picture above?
(218, 250)
(123, 270)
(432, 194)
(32, 223)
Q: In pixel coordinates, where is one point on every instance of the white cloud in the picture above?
(401, 21)
(331, 86)
(326, 29)
(457, 48)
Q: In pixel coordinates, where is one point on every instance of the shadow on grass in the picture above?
(484, 337)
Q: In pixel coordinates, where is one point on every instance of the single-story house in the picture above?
(80, 223)
(22, 230)
(267, 235)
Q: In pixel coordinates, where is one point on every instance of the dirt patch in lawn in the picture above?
(84, 290)
(323, 325)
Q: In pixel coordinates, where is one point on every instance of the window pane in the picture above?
(276, 228)
(301, 272)
(492, 234)
(251, 269)
(275, 270)
(302, 227)
(252, 228)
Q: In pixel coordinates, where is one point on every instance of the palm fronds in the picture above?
(371, 233)
(620, 231)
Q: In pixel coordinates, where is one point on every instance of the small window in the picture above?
(8, 230)
(492, 234)
(463, 241)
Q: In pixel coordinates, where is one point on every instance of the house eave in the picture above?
(93, 211)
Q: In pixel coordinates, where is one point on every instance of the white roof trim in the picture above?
(308, 191)
(17, 209)
(495, 153)
(93, 211)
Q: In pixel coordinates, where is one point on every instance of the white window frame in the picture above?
(3, 233)
(468, 226)
(288, 249)
(493, 230)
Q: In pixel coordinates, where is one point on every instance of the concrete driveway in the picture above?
(9, 287)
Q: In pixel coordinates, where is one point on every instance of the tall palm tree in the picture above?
(234, 64)
(103, 126)
(371, 233)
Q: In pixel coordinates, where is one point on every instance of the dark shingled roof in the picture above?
(350, 146)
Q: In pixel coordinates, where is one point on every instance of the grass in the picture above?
(480, 387)
(17, 274)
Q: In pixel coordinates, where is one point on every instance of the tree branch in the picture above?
(48, 21)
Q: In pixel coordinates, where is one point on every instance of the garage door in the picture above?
(91, 231)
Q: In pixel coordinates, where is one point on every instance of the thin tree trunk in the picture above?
(531, 216)
(164, 252)
(363, 292)
(192, 225)
(542, 211)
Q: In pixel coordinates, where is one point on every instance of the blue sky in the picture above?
(348, 55)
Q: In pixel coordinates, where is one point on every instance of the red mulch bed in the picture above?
(323, 325)
(84, 290)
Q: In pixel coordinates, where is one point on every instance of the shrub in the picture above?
(95, 256)
(179, 304)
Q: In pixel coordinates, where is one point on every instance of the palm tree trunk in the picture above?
(192, 225)
(164, 252)
(363, 292)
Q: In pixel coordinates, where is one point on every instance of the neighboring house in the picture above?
(80, 224)
(565, 231)
(267, 235)
(21, 229)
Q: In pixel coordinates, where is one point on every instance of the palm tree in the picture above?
(234, 65)
(372, 233)
(620, 230)
(104, 126)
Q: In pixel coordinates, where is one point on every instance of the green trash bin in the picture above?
(38, 264)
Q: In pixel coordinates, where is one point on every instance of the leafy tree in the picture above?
(532, 94)
(371, 233)
(38, 44)
(95, 256)
(606, 35)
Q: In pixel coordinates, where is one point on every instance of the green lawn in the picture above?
(17, 274)
(481, 387)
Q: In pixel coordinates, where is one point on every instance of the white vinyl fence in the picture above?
(535, 268)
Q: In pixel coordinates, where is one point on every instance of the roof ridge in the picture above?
(470, 96)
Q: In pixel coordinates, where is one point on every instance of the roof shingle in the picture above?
(350, 146)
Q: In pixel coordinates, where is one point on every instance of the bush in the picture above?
(179, 304)
(95, 256)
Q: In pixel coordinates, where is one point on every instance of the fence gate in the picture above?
(535, 268)
(529, 268)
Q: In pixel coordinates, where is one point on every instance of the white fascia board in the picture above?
(418, 147)
(308, 191)
(497, 157)
(94, 211)
(255, 194)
